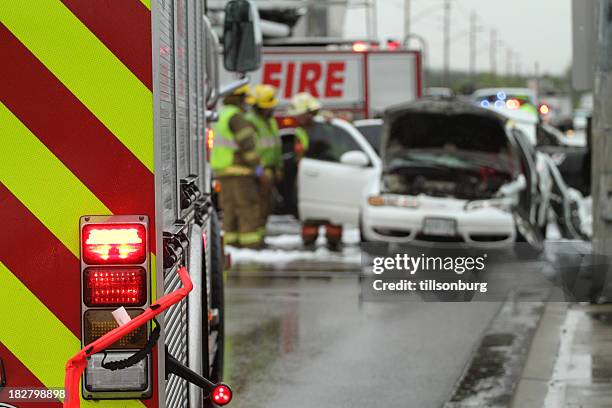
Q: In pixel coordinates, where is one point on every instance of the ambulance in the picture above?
(105, 195)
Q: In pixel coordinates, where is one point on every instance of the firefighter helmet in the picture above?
(303, 103)
(263, 97)
(242, 91)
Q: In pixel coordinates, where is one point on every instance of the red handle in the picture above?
(77, 364)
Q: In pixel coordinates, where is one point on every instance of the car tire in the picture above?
(362, 237)
(529, 242)
(217, 302)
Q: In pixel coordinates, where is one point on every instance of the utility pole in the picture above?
(509, 62)
(601, 179)
(407, 16)
(375, 18)
(493, 52)
(473, 44)
(447, 15)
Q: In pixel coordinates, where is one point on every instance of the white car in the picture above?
(455, 173)
(334, 172)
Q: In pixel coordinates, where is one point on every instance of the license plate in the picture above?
(440, 226)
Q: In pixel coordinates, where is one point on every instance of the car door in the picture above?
(329, 190)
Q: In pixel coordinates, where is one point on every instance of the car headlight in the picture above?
(504, 204)
(393, 201)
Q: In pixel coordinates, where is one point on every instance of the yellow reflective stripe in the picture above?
(248, 238)
(45, 351)
(153, 273)
(250, 156)
(147, 3)
(47, 181)
(245, 133)
(91, 71)
(230, 238)
(42, 183)
(235, 171)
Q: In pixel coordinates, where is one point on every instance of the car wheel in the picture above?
(362, 237)
(218, 303)
(529, 239)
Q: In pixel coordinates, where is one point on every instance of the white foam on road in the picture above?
(284, 248)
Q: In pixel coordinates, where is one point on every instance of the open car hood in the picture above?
(446, 148)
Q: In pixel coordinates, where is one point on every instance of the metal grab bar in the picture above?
(77, 364)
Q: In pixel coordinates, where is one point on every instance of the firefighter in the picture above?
(264, 101)
(305, 108)
(237, 167)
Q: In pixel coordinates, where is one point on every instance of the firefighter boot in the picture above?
(333, 233)
(310, 233)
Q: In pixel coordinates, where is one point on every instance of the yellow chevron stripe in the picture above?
(46, 352)
(42, 183)
(47, 188)
(91, 71)
(147, 3)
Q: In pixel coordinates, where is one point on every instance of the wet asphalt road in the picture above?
(310, 342)
(300, 335)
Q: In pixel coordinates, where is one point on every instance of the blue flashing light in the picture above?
(502, 96)
(500, 104)
(485, 103)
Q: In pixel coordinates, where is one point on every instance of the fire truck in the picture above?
(105, 194)
(356, 79)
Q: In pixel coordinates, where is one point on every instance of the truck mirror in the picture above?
(242, 39)
(211, 64)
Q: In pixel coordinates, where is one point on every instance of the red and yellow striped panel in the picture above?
(76, 132)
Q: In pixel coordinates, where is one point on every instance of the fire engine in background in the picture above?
(105, 193)
(357, 80)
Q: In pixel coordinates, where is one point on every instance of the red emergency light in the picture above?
(393, 45)
(115, 287)
(114, 244)
(286, 122)
(221, 395)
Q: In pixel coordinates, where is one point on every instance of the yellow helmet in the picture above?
(303, 103)
(263, 96)
(243, 90)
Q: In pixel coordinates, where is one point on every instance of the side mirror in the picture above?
(211, 63)
(355, 158)
(242, 39)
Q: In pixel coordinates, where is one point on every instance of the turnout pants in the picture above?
(266, 194)
(239, 199)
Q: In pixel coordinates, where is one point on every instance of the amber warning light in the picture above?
(114, 244)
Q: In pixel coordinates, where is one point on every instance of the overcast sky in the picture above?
(536, 30)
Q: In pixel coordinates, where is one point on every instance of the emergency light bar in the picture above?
(114, 273)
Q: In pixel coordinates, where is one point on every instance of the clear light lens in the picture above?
(504, 204)
(115, 287)
(114, 244)
(99, 379)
